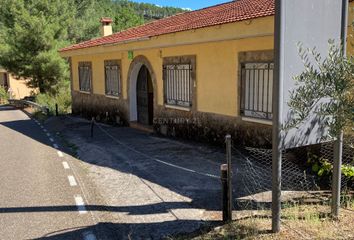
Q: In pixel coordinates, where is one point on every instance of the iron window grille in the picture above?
(112, 77)
(178, 84)
(257, 90)
(85, 76)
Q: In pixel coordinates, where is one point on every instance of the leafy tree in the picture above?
(125, 18)
(32, 32)
(332, 79)
(32, 35)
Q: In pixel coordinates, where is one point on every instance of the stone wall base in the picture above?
(210, 128)
(101, 107)
(203, 127)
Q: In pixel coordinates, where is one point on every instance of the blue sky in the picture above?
(192, 4)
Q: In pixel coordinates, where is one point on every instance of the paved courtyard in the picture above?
(151, 186)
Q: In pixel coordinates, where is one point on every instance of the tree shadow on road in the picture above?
(138, 230)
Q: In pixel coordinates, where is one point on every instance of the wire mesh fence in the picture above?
(306, 176)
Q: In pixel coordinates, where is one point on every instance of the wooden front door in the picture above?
(145, 97)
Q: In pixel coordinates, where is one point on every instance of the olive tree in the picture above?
(330, 79)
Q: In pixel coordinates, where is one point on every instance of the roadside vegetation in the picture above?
(61, 96)
(4, 96)
(298, 222)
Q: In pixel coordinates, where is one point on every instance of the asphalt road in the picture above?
(40, 197)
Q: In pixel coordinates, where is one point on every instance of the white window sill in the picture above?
(112, 96)
(177, 108)
(257, 120)
(85, 92)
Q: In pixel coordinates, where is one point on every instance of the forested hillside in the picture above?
(150, 11)
(32, 31)
(124, 13)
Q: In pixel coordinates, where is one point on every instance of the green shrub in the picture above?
(60, 95)
(4, 96)
(323, 168)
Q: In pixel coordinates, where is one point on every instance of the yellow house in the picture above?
(199, 74)
(17, 88)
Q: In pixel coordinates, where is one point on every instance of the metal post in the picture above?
(56, 110)
(338, 145)
(92, 124)
(276, 189)
(277, 119)
(337, 170)
(225, 196)
(229, 176)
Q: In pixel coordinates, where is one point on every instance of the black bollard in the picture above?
(92, 124)
(56, 110)
(226, 214)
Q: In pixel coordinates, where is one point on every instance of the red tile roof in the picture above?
(234, 11)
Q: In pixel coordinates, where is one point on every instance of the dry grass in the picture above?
(298, 222)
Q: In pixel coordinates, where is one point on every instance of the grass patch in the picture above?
(298, 222)
(39, 116)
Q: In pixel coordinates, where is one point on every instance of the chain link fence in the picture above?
(306, 176)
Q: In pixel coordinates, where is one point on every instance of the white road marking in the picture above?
(55, 146)
(48, 134)
(89, 236)
(72, 181)
(66, 165)
(45, 130)
(80, 204)
(51, 139)
(60, 154)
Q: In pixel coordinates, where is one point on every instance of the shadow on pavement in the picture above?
(125, 231)
(162, 207)
(190, 170)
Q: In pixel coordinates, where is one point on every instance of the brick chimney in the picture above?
(106, 26)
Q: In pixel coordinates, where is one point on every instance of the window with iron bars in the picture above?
(257, 90)
(85, 76)
(178, 84)
(112, 77)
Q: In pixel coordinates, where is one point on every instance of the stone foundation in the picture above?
(210, 128)
(198, 126)
(103, 108)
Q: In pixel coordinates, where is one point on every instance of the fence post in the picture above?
(92, 124)
(229, 176)
(225, 193)
(338, 145)
(336, 178)
(56, 110)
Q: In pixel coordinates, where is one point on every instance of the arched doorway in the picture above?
(141, 69)
(144, 97)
